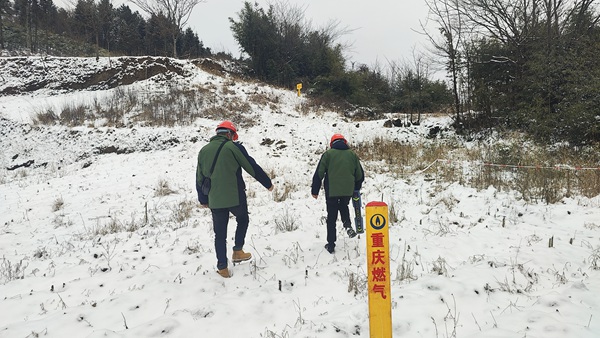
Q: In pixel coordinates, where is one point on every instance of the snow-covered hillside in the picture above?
(101, 234)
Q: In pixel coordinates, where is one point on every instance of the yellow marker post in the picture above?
(378, 265)
(298, 87)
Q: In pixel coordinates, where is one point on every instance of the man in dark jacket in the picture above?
(227, 190)
(341, 169)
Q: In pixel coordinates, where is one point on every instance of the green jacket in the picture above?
(341, 169)
(227, 185)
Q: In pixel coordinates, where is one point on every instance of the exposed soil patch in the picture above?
(30, 74)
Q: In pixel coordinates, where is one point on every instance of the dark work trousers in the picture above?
(335, 205)
(220, 220)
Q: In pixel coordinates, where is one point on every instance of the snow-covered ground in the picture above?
(92, 243)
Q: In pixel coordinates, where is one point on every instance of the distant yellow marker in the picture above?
(378, 265)
(298, 87)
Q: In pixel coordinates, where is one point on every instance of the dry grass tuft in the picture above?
(163, 189)
(537, 173)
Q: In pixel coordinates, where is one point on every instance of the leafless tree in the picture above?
(4, 5)
(447, 17)
(410, 75)
(177, 13)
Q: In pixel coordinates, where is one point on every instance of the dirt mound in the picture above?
(22, 75)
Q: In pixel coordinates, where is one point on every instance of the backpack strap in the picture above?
(216, 157)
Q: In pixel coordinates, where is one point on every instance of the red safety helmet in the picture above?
(336, 137)
(228, 125)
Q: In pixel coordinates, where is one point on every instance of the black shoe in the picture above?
(351, 233)
(330, 247)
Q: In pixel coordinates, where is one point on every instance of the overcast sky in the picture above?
(381, 29)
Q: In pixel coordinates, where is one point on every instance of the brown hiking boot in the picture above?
(240, 256)
(224, 273)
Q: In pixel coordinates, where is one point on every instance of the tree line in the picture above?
(283, 48)
(527, 65)
(37, 25)
(279, 45)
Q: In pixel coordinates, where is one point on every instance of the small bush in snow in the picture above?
(282, 194)
(49, 117)
(182, 211)
(591, 226)
(393, 214)
(439, 267)
(595, 259)
(10, 271)
(58, 204)
(405, 270)
(111, 227)
(41, 253)
(163, 189)
(357, 283)
(286, 222)
(73, 115)
(293, 255)
(61, 221)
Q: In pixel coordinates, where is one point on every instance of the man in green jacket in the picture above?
(227, 192)
(343, 174)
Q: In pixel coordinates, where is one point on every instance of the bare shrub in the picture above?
(591, 226)
(322, 104)
(293, 255)
(225, 90)
(595, 259)
(286, 222)
(193, 248)
(11, 271)
(405, 270)
(393, 214)
(282, 194)
(537, 173)
(133, 224)
(540, 173)
(111, 227)
(62, 221)
(41, 253)
(233, 111)
(439, 267)
(443, 227)
(125, 100)
(58, 204)
(272, 173)
(22, 173)
(109, 250)
(397, 155)
(73, 115)
(114, 108)
(49, 117)
(182, 211)
(561, 277)
(357, 283)
(179, 106)
(162, 188)
(260, 99)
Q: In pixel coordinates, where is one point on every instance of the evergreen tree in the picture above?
(4, 10)
(127, 31)
(282, 48)
(105, 13)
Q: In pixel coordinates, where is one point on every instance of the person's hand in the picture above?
(315, 196)
(272, 186)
